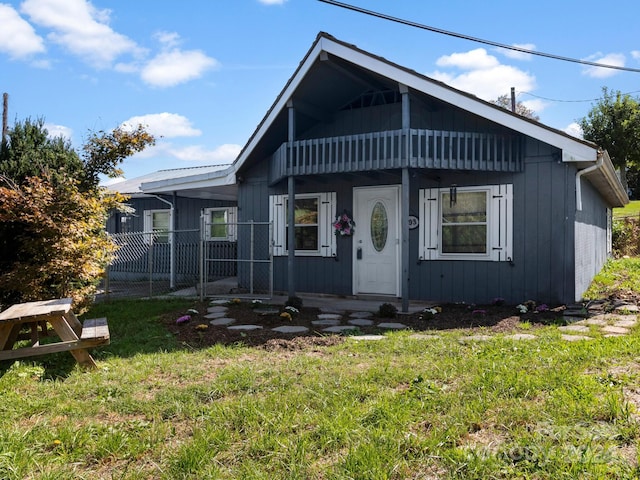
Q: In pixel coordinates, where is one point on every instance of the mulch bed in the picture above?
(495, 318)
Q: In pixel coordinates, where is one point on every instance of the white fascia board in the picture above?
(281, 102)
(203, 180)
(573, 150)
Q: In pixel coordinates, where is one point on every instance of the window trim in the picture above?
(326, 237)
(499, 224)
(148, 226)
(231, 214)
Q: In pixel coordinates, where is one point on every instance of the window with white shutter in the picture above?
(466, 223)
(313, 224)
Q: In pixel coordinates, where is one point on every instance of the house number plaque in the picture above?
(413, 222)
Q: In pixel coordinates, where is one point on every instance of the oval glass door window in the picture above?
(379, 226)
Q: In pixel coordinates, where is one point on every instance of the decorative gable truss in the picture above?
(467, 223)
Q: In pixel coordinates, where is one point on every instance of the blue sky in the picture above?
(201, 74)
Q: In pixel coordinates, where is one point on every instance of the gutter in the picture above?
(592, 168)
(172, 243)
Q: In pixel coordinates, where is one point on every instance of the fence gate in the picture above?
(153, 263)
(238, 256)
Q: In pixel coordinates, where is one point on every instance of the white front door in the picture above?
(376, 241)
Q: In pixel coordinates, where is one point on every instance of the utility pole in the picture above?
(5, 113)
(513, 99)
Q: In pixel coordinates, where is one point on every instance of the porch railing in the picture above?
(435, 149)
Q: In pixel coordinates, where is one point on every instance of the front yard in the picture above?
(429, 406)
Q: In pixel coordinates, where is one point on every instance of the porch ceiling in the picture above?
(332, 84)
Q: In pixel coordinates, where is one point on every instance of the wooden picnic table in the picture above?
(71, 335)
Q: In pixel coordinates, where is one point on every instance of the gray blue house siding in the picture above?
(592, 237)
(544, 230)
(541, 268)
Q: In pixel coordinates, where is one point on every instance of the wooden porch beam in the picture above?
(347, 73)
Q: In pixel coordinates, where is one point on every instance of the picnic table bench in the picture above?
(72, 336)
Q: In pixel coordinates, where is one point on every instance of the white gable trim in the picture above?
(573, 150)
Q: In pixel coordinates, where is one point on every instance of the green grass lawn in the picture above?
(397, 408)
(632, 209)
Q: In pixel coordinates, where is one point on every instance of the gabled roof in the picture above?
(380, 72)
(134, 186)
(582, 152)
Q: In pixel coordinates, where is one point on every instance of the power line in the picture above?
(475, 39)
(570, 101)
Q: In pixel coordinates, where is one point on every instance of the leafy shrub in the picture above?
(626, 237)
(295, 302)
(387, 310)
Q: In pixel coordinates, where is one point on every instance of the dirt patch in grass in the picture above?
(198, 333)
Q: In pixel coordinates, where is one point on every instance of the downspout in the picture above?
(172, 243)
(592, 168)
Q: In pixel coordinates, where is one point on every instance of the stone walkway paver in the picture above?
(361, 315)
(291, 329)
(222, 321)
(326, 323)
(218, 309)
(580, 322)
(361, 322)
(392, 325)
(615, 330)
(339, 328)
(575, 338)
(245, 327)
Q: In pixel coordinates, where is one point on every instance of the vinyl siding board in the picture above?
(590, 242)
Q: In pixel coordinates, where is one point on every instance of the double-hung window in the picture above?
(220, 224)
(466, 223)
(158, 222)
(313, 214)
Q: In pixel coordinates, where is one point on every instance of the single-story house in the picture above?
(405, 187)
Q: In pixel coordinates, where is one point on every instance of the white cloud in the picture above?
(535, 105)
(17, 36)
(486, 78)
(471, 60)
(56, 131)
(82, 29)
(174, 67)
(515, 54)
(616, 59)
(222, 154)
(226, 153)
(636, 54)
(575, 130)
(165, 125)
(168, 39)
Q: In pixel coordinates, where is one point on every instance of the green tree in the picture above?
(29, 152)
(504, 101)
(613, 123)
(53, 211)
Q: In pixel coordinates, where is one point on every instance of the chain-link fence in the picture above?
(150, 264)
(250, 262)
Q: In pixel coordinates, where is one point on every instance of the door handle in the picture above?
(359, 253)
